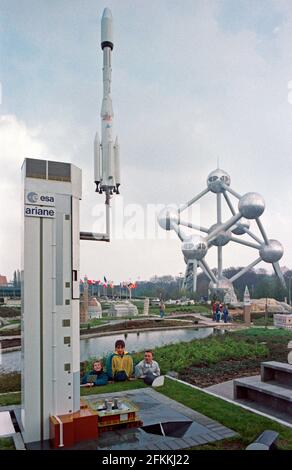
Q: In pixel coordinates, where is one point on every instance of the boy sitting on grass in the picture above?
(119, 365)
(96, 376)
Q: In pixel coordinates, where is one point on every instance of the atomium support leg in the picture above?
(261, 229)
(195, 270)
(229, 203)
(208, 271)
(279, 273)
(195, 227)
(223, 227)
(219, 248)
(219, 260)
(244, 270)
(231, 191)
(181, 235)
(192, 201)
(244, 242)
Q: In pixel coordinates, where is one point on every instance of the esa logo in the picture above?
(47, 199)
(32, 197)
(41, 199)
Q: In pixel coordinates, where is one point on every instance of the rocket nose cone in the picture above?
(107, 27)
(107, 14)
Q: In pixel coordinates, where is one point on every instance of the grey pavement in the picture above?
(154, 408)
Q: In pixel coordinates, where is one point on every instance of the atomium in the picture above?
(195, 247)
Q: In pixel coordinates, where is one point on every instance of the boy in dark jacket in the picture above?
(96, 376)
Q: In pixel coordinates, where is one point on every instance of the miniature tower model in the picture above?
(246, 306)
(50, 294)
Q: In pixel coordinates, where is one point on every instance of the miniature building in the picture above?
(3, 280)
(146, 307)
(115, 412)
(283, 321)
(94, 308)
(84, 305)
(122, 309)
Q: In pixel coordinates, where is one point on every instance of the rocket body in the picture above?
(106, 153)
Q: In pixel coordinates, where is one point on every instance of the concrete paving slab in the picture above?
(154, 408)
(225, 390)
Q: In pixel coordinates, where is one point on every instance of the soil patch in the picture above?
(10, 343)
(221, 372)
(6, 312)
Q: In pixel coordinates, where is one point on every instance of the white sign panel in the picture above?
(39, 211)
(42, 199)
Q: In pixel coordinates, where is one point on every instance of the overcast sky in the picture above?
(193, 81)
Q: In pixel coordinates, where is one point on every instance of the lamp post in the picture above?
(266, 313)
(180, 281)
(289, 290)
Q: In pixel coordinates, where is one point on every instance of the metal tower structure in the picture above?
(195, 247)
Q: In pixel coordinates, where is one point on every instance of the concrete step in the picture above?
(276, 397)
(277, 373)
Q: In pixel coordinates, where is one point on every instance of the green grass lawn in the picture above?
(93, 322)
(6, 443)
(204, 352)
(262, 334)
(7, 399)
(196, 308)
(247, 424)
(112, 388)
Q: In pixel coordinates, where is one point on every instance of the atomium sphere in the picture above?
(251, 205)
(223, 283)
(217, 179)
(241, 226)
(222, 238)
(194, 248)
(167, 217)
(272, 252)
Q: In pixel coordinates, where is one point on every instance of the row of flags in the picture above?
(106, 283)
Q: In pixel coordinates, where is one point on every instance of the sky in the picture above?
(193, 83)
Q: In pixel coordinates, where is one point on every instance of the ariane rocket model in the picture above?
(106, 152)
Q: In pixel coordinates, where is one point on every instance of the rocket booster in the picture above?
(106, 152)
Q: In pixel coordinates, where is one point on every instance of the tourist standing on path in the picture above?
(214, 311)
(225, 313)
(161, 309)
(217, 312)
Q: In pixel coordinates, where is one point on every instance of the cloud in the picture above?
(187, 88)
(17, 141)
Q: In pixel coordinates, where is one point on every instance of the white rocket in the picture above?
(106, 153)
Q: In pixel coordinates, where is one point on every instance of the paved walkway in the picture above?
(157, 408)
(154, 408)
(225, 390)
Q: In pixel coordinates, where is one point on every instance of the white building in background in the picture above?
(94, 308)
(50, 294)
(122, 309)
